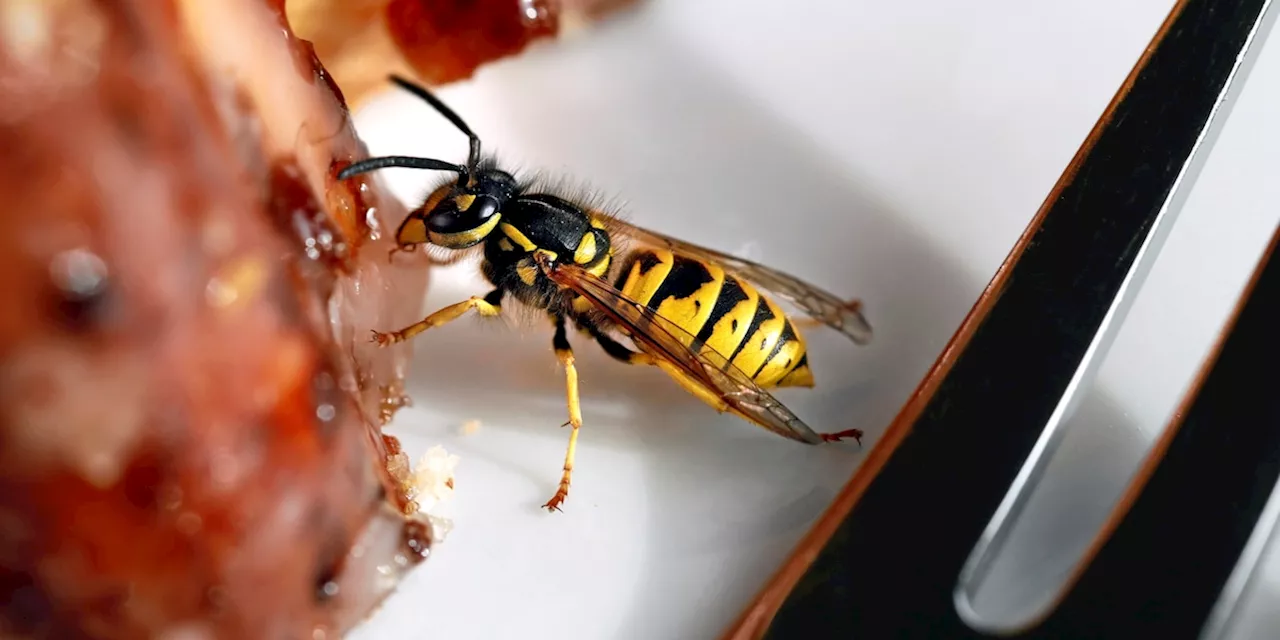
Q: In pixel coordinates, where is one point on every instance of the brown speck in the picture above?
(417, 539)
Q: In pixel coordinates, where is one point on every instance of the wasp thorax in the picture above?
(460, 215)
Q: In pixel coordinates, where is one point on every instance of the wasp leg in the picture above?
(564, 352)
(856, 434)
(489, 305)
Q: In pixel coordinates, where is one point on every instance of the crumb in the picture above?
(399, 468)
(431, 487)
(469, 427)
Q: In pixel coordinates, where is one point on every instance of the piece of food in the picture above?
(469, 427)
(431, 489)
(435, 41)
(190, 410)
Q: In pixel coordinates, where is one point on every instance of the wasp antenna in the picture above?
(407, 162)
(473, 157)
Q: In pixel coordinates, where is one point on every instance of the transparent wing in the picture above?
(844, 316)
(707, 367)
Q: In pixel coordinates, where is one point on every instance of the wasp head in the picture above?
(461, 214)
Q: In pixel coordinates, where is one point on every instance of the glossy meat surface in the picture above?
(190, 411)
(434, 41)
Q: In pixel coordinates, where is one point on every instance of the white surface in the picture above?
(892, 153)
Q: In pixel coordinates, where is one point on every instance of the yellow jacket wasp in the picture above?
(700, 315)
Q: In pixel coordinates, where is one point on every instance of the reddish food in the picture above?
(435, 41)
(445, 41)
(190, 411)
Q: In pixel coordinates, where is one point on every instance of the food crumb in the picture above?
(469, 427)
(431, 486)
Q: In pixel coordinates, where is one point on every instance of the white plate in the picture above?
(892, 153)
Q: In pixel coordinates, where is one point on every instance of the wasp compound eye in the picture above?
(463, 222)
(483, 208)
(445, 222)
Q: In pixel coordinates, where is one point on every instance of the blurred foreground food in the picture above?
(188, 443)
(190, 409)
(434, 41)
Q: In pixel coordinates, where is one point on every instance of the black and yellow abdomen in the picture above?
(720, 312)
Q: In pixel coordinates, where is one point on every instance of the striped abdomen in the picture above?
(723, 313)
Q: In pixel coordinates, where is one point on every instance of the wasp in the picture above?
(707, 319)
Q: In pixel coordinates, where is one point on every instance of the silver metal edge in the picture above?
(1029, 476)
(1225, 614)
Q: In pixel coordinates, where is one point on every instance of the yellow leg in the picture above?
(565, 354)
(487, 306)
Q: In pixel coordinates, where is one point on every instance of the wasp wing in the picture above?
(842, 315)
(705, 366)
